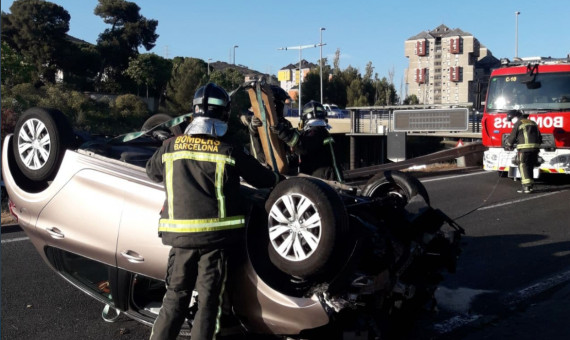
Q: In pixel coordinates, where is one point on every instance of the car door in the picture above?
(139, 249)
(83, 216)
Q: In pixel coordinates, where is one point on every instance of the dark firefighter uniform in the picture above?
(201, 219)
(315, 149)
(527, 138)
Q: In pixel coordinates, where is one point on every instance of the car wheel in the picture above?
(307, 223)
(395, 185)
(41, 137)
(160, 118)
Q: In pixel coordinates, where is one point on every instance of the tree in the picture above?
(15, 68)
(311, 89)
(230, 79)
(150, 70)
(335, 91)
(369, 71)
(411, 100)
(129, 30)
(186, 77)
(81, 66)
(336, 61)
(38, 30)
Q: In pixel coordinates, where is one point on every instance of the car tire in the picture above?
(41, 137)
(397, 185)
(160, 118)
(307, 223)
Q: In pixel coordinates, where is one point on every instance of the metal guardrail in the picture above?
(436, 157)
(380, 119)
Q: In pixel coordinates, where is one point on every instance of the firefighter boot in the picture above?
(526, 189)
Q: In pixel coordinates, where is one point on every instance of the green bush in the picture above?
(21, 97)
(104, 116)
(129, 112)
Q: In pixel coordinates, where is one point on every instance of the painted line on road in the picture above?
(511, 300)
(537, 288)
(533, 197)
(18, 239)
(450, 177)
(454, 323)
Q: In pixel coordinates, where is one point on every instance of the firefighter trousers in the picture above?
(204, 270)
(528, 160)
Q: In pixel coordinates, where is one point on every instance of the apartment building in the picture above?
(289, 77)
(448, 66)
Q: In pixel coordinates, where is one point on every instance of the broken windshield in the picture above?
(548, 92)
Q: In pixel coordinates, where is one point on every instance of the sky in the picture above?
(363, 30)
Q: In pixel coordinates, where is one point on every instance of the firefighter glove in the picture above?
(282, 131)
(256, 122)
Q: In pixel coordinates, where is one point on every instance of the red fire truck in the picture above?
(539, 87)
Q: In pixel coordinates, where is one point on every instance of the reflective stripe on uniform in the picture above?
(528, 146)
(294, 139)
(200, 225)
(221, 299)
(220, 160)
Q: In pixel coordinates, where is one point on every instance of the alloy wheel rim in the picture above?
(295, 227)
(34, 144)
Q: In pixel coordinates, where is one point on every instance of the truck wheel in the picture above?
(397, 185)
(41, 137)
(307, 223)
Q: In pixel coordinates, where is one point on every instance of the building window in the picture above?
(421, 47)
(455, 73)
(455, 45)
(421, 74)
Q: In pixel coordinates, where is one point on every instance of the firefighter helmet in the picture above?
(211, 106)
(313, 114)
(313, 110)
(212, 101)
(514, 114)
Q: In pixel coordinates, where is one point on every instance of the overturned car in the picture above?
(320, 256)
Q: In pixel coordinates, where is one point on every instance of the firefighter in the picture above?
(201, 218)
(527, 139)
(312, 142)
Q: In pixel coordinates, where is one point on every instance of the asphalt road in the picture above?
(38, 304)
(516, 251)
(516, 258)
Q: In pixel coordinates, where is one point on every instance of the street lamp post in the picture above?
(321, 62)
(300, 48)
(517, 33)
(235, 46)
(209, 59)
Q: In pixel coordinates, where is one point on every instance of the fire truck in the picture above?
(539, 87)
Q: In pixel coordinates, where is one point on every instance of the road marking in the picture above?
(520, 200)
(18, 239)
(537, 288)
(455, 176)
(511, 300)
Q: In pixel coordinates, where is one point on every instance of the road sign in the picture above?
(431, 120)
